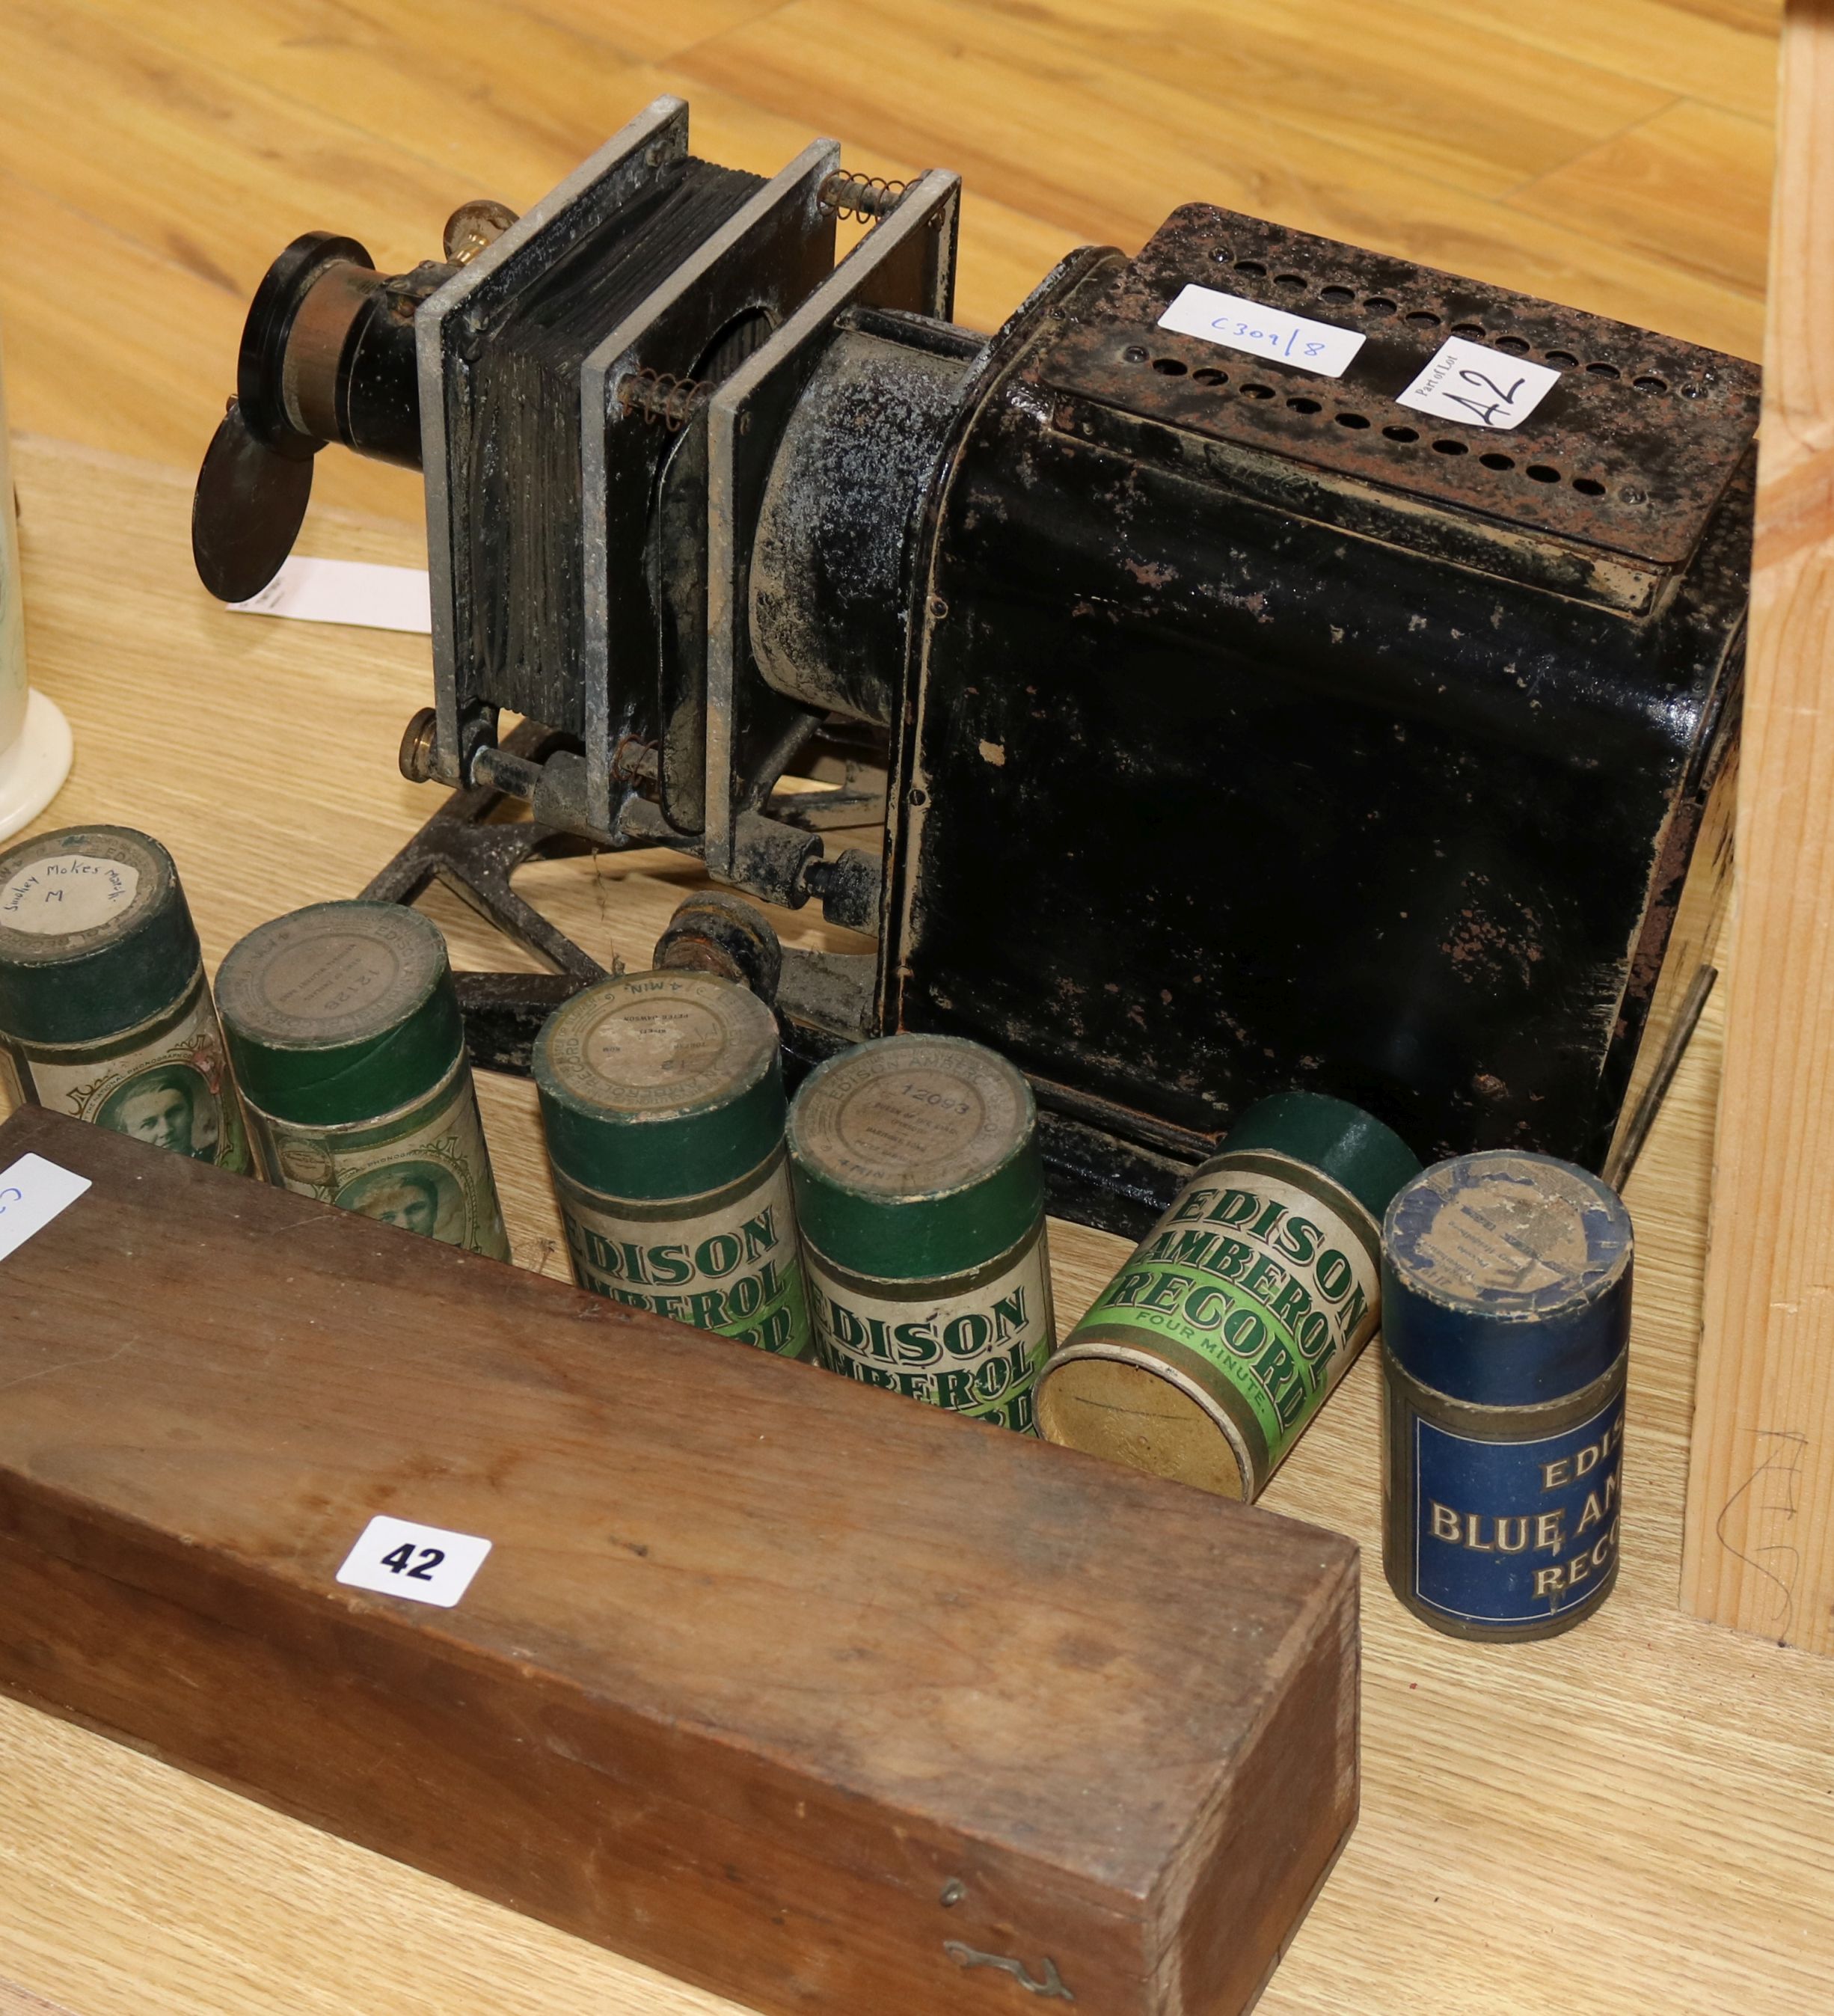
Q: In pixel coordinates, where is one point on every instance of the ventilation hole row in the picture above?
(1536, 472)
(1381, 306)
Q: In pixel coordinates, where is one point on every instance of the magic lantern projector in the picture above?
(1274, 695)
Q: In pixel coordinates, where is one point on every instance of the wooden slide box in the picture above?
(813, 1695)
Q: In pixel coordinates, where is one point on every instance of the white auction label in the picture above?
(1484, 388)
(59, 895)
(424, 1564)
(32, 1193)
(1262, 331)
(355, 592)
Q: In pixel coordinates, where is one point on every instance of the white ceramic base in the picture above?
(33, 770)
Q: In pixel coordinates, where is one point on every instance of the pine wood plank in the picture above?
(1723, 52)
(1461, 102)
(408, 80)
(1054, 131)
(201, 161)
(63, 375)
(395, 74)
(650, 33)
(1691, 187)
(1760, 1503)
(1675, 1778)
(15, 2001)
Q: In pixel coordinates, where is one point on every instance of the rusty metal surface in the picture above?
(1630, 452)
(461, 848)
(1398, 816)
(830, 562)
(456, 326)
(862, 197)
(701, 313)
(712, 932)
(906, 261)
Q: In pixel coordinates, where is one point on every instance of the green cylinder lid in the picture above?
(1341, 1141)
(657, 1085)
(95, 937)
(340, 1012)
(915, 1157)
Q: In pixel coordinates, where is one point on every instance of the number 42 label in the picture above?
(1484, 388)
(424, 1564)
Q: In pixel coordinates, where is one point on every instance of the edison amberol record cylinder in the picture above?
(105, 1011)
(921, 1201)
(661, 1101)
(1505, 1330)
(344, 1030)
(1210, 1353)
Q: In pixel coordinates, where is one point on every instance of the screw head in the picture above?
(473, 226)
(417, 746)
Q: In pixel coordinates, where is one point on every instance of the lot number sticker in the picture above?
(1484, 388)
(1263, 332)
(424, 1564)
(32, 1193)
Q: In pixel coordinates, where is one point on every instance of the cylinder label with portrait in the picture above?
(728, 1262)
(423, 1167)
(165, 1082)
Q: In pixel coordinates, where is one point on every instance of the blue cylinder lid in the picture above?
(1506, 1278)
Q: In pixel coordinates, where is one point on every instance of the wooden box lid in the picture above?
(818, 1696)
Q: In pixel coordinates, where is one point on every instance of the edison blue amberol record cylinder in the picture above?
(1506, 1305)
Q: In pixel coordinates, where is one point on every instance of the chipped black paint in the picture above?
(1247, 730)
(1320, 762)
